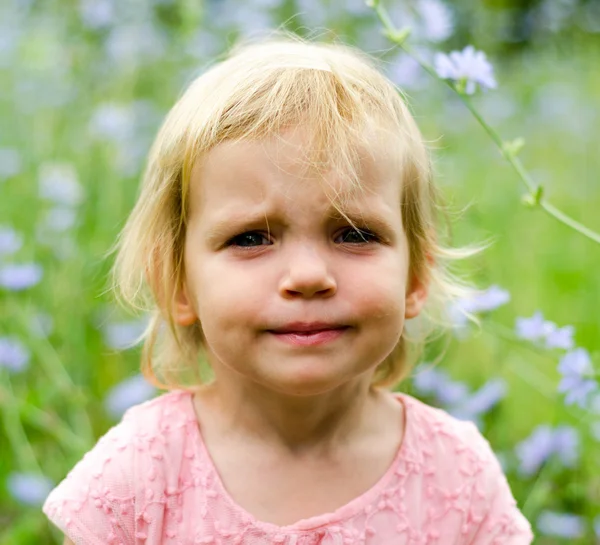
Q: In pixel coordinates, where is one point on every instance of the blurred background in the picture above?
(84, 85)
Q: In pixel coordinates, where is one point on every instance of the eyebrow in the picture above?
(232, 222)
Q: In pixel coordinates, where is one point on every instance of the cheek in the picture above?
(382, 307)
(227, 296)
(379, 290)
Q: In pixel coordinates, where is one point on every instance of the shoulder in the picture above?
(99, 497)
(464, 473)
(443, 442)
(171, 407)
(436, 430)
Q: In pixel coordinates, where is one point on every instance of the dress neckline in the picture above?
(344, 512)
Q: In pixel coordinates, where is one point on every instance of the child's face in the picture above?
(303, 265)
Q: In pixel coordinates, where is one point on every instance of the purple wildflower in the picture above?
(560, 337)
(20, 277)
(427, 378)
(14, 356)
(545, 442)
(58, 182)
(10, 163)
(482, 401)
(452, 392)
(455, 395)
(457, 319)
(126, 394)
(486, 301)
(436, 20)
(468, 65)
(59, 219)
(576, 370)
(10, 241)
(537, 329)
(533, 328)
(437, 383)
(29, 488)
(535, 450)
(565, 525)
(124, 335)
(97, 14)
(113, 122)
(489, 395)
(472, 407)
(566, 445)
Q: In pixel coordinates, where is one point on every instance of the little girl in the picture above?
(285, 230)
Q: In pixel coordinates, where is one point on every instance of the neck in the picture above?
(295, 424)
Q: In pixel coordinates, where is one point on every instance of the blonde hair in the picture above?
(257, 92)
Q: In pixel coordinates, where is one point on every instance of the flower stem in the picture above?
(536, 198)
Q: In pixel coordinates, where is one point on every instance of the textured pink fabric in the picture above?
(150, 480)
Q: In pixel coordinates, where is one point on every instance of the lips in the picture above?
(310, 337)
(307, 328)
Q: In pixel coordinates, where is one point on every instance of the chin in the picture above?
(306, 383)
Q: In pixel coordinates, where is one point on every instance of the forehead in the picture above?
(285, 170)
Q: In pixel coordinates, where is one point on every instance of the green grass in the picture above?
(53, 412)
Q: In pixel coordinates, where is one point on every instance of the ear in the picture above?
(416, 297)
(184, 312)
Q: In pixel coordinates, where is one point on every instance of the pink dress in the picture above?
(150, 480)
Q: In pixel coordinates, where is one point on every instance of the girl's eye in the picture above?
(358, 236)
(247, 240)
(350, 235)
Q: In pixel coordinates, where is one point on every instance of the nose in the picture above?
(306, 274)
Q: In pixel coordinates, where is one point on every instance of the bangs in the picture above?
(346, 105)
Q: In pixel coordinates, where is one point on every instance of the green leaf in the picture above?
(531, 200)
(513, 147)
(397, 36)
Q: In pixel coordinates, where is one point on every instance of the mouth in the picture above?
(309, 337)
(307, 328)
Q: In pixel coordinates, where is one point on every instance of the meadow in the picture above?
(82, 93)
